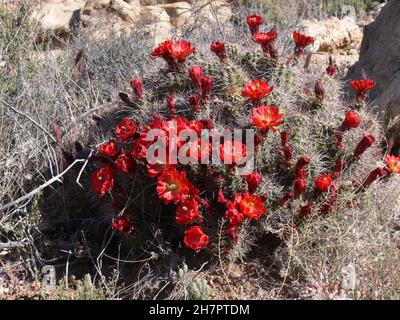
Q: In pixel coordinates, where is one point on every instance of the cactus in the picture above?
(199, 289)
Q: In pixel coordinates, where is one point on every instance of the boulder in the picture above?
(157, 23)
(56, 16)
(380, 61)
(103, 18)
(214, 11)
(180, 13)
(334, 35)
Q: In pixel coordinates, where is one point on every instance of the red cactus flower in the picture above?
(233, 214)
(306, 210)
(208, 124)
(163, 50)
(287, 150)
(393, 163)
(137, 87)
(285, 198)
(256, 90)
(374, 175)
(299, 186)
(243, 205)
(362, 87)
(195, 103)
(188, 212)
(254, 21)
(195, 238)
(352, 120)
(365, 143)
(301, 41)
(102, 180)
(288, 155)
(125, 130)
(172, 186)
(124, 163)
(171, 105)
(319, 90)
(206, 86)
(252, 206)
(109, 149)
(299, 171)
(196, 73)
(197, 150)
(284, 138)
(196, 126)
(193, 192)
(253, 181)
(221, 197)
(323, 183)
(121, 224)
(338, 168)
(154, 170)
(219, 49)
(205, 204)
(331, 69)
(301, 163)
(267, 118)
(173, 51)
(232, 232)
(266, 40)
(180, 50)
(138, 151)
(232, 152)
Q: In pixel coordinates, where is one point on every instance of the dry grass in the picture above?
(351, 253)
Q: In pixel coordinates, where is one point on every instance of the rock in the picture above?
(180, 13)
(380, 61)
(129, 12)
(213, 10)
(103, 18)
(335, 36)
(343, 62)
(157, 23)
(56, 16)
(339, 38)
(156, 2)
(371, 15)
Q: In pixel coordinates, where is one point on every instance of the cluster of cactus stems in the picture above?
(226, 194)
